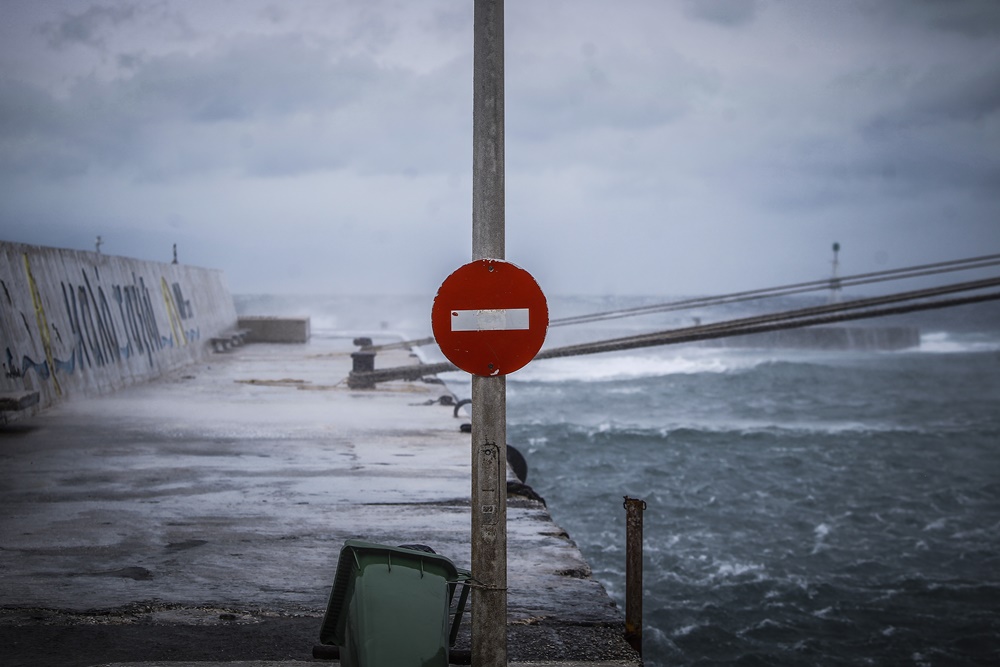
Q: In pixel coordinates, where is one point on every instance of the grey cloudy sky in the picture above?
(659, 147)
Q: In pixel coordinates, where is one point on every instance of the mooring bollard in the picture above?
(364, 362)
(634, 508)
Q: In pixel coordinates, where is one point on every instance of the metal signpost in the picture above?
(489, 394)
(487, 317)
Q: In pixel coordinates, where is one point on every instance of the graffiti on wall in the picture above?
(93, 329)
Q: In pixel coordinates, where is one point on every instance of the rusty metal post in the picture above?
(489, 394)
(634, 508)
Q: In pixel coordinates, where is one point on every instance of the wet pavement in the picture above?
(200, 516)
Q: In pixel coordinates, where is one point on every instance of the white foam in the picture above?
(939, 524)
(727, 570)
(940, 342)
(602, 368)
(686, 630)
(821, 531)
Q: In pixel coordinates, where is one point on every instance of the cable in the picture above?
(918, 271)
(792, 319)
(788, 290)
(684, 336)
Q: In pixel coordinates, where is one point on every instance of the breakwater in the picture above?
(829, 338)
(83, 323)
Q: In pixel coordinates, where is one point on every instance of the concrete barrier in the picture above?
(829, 338)
(261, 329)
(84, 323)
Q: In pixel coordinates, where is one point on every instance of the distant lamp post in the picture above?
(835, 295)
(98, 244)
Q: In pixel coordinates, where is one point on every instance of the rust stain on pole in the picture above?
(634, 508)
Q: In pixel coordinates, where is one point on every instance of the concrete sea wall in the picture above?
(262, 329)
(829, 338)
(84, 323)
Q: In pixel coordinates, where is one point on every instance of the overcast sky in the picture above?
(658, 147)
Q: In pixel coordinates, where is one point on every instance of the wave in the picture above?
(941, 342)
(612, 368)
(722, 428)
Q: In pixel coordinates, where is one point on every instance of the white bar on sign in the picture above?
(495, 319)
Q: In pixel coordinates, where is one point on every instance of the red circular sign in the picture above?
(490, 317)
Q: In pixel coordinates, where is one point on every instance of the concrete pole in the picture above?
(489, 394)
(488, 132)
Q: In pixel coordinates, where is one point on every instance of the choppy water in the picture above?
(813, 508)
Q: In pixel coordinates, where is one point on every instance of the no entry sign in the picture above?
(490, 317)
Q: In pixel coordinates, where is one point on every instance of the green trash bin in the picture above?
(390, 606)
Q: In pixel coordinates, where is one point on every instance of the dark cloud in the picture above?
(253, 78)
(730, 13)
(972, 18)
(956, 93)
(933, 139)
(576, 93)
(37, 135)
(176, 114)
(89, 27)
(275, 13)
(864, 170)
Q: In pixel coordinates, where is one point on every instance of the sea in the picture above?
(803, 506)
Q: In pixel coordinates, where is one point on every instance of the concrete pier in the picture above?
(199, 517)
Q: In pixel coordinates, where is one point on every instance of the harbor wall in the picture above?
(829, 338)
(84, 323)
(263, 329)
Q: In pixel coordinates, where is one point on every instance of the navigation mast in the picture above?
(835, 295)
